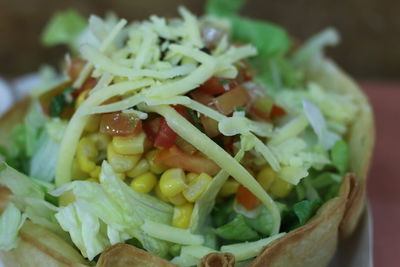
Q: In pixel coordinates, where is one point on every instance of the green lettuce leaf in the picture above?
(110, 212)
(11, 220)
(340, 156)
(305, 209)
(237, 229)
(64, 28)
(223, 7)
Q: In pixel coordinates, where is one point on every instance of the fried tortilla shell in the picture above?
(121, 255)
(310, 245)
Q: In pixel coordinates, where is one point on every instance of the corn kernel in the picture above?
(178, 200)
(86, 154)
(172, 182)
(266, 177)
(159, 194)
(81, 98)
(197, 187)
(93, 124)
(95, 173)
(191, 176)
(229, 188)
(121, 163)
(140, 168)
(130, 144)
(281, 188)
(156, 168)
(77, 173)
(144, 183)
(121, 176)
(182, 215)
(101, 140)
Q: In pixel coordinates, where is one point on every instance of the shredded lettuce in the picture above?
(110, 212)
(11, 220)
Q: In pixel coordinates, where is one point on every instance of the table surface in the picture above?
(384, 181)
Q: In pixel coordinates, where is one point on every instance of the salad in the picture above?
(184, 137)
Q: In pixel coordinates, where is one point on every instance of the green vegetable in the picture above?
(271, 41)
(237, 229)
(263, 223)
(340, 156)
(110, 212)
(305, 209)
(11, 220)
(64, 28)
(223, 7)
(59, 102)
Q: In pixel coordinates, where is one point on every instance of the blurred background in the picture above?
(370, 29)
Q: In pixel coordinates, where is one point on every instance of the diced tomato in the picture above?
(166, 137)
(181, 110)
(151, 127)
(203, 98)
(245, 198)
(216, 86)
(244, 74)
(174, 157)
(277, 112)
(87, 85)
(231, 100)
(185, 146)
(120, 124)
(75, 68)
(210, 126)
(262, 107)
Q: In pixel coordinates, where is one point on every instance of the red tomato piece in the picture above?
(181, 110)
(89, 84)
(277, 112)
(119, 124)
(217, 86)
(176, 158)
(245, 198)
(228, 102)
(151, 127)
(166, 137)
(203, 98)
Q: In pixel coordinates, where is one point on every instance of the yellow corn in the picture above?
(281, 188)
(121, 163)
(121, 176)
(191, 176)
(156, 168)
(172, 182)
(159, 194)
(93, 124)
(95, 173)
(229, 188)
(266, 177)
(182, 214)
(81, 98)
(130, 144)
(77, 173)
(86, 154)
(178, 200)
(141, 167)
(196, 187)
(101, 140)
(144, 183)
